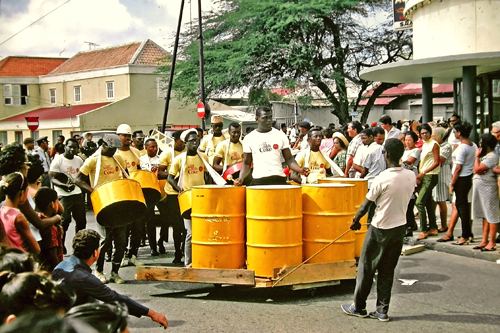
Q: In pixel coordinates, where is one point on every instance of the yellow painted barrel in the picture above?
(274, 228)
(360, 191)
(327, 210)
(218, 226)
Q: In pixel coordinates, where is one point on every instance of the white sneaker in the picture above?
(134, 262)
(125, 262)
(101, 277)
(114, 277)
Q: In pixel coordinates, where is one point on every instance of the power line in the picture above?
(32, 23)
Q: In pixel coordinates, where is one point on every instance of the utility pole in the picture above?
(202, 65)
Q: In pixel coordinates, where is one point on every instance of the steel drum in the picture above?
(149, 184)
(328, 210)
(185, 203)
(274, 228)
(118, 202)
(360, 191)
(218, 218)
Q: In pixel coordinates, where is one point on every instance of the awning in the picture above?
(381, 101)
(58, 112)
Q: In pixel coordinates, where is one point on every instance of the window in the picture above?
(18, 136)
(161, 88)
(15, 94)
(77, 93)
(110, 89)
(55, 134)
(52, 96)
(3, 137)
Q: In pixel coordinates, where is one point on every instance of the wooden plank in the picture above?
(411, 249)
(201, 275)
(314, 285)
(311, 273)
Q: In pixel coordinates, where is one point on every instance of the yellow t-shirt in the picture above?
(131, 158)
(208, 144)
(166, 160)
(143, 152)
(317, 165)
(193, 169)
(427, 157)
(235, 154)
(109, 169)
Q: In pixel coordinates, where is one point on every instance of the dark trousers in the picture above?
(74, 205)
(410, 216)
(170, 212)
(151, 228)
(118, 236)
(381, 251)
(134, 233)
(425, 204)
(462, 188)
(271, 180)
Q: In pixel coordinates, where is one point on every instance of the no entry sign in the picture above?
(32, 123)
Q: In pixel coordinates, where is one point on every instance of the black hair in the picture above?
(377, 130)
(427, 127)
(12, 184)
(315, 129)
(12, 158)
(85, 242)
(16, 261)
(134, 133)
(35, 170)
(465, 128)
(386, 120)
(148, 141)
(394, 149)
(456, 116)
(177, 134)
(328, 132)
(71, 140)
(198, 129)
(44, 197)
(104, 317)
(234, 125)
(367, 132)
(487, 141)
(45, 321)
(283, 125)
(27, 291)
(413, 135)
(305, 124)
(356, 125)
(262, 109)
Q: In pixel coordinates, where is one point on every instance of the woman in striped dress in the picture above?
(441, 193)
(485, 192)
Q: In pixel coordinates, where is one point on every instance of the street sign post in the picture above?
(32, 123)
(200, 110)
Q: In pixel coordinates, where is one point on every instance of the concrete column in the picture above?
(426, 99)
(456, 96)
(469, 97)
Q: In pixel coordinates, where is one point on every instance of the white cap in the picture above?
(186, 132)
(124, 129)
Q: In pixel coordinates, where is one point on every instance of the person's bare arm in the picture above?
(172, 182)
(217, 164)
(83, 182)
(24, 230)
(292, 164)
(245, 169)
(158, 317)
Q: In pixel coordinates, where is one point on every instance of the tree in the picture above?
(321, 44)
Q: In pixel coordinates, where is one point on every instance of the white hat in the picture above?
(124, 129)
(186, 132)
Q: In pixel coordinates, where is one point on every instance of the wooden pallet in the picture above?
(308, 275)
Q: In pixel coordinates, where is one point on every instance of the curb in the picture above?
(464, 250)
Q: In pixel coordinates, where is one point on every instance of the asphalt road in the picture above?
(452, 293)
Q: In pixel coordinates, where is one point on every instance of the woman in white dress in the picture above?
(441, 193)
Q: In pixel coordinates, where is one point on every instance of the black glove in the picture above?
(355, 225)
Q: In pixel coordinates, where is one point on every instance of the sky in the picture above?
(104, 22)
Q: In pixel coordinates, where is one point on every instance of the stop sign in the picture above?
(200, 108)
(32, 123)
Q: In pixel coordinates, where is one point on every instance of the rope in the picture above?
(311, 257)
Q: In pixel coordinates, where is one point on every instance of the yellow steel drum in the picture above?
(150, 185)
(184, 199)
(360, 191)
(274, 228)
(218, 222)
(328, 210)
(118, 202)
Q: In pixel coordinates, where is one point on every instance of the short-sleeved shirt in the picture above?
(427, 157)
(109, 169)
(464, 155)
(317, 165)
(44, 157)
(374, 162)
(391, 191)
(131, 158)
(166, 159)
(147, 163)
(394, 133)
(488, 178)
(354, 145)
(193, 169)
(415, 153)
(266, 152)
(69, 167)
(208, 144)
(235, 154)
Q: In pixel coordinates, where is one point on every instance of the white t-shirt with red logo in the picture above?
(266, 152)
(68, 167)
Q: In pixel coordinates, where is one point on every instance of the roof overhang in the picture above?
(441, 69)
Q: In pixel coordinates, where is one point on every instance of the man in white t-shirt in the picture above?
(263, 148)
(390, 130)
(390, 192)
(63, 170)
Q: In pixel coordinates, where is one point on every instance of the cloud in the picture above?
(107, 23)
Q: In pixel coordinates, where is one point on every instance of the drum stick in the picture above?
(314, 255)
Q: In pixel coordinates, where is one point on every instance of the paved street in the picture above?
(452, 293)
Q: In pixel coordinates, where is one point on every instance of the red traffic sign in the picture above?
(32, 123)
(200, 108)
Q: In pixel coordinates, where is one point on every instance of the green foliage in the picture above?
(285, 43)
